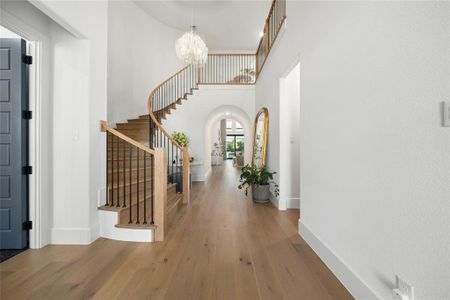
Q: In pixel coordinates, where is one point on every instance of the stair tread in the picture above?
(133, 182)
(136, 226)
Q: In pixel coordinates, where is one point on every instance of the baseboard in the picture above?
(95, 232)
(348, 277)
(274, 200)
(293, 202)
(71, 236)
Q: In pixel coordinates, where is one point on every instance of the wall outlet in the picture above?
(446, 114)
(403, 291)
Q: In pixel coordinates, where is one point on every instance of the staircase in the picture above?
(147, 170)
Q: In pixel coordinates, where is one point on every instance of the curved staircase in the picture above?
(147, 170)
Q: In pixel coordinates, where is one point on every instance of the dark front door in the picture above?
(13, 144)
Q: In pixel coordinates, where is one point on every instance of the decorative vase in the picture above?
(261, 193)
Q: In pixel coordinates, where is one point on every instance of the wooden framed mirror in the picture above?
(260, 137)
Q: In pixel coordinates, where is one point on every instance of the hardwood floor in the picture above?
(221, 246)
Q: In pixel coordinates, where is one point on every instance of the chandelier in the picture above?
(191, 49)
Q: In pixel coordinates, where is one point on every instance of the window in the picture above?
(239, 127)
(229, 125)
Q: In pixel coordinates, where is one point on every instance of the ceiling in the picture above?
(224, 24)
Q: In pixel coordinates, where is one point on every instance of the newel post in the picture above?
(186, 173)
(160, 193)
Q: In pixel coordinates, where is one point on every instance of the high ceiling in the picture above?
(224, 24)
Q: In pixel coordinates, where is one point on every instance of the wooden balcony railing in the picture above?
(228, 68)
(272, 26)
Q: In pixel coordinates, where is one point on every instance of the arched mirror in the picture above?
(260, 138)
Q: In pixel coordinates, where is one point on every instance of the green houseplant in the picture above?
(181, 138)
(259, 179)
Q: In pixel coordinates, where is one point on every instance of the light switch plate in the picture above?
(446, 114)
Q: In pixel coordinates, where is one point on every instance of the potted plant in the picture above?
(181, 138)
(259, 179)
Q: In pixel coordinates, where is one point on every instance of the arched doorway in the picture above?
(233, 113)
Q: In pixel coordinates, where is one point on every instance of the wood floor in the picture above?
(222, 246)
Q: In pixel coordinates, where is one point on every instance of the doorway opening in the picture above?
(228, 137)
(15, 168)
(234, 139)
(290, 138)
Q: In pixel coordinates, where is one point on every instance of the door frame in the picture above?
(285, 202)
(36, 41)
(234, 135)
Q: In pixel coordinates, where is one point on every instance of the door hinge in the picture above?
(27, 170)
(27, 225)
(28, 59)
(27, 114)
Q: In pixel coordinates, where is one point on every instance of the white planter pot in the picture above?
(216, 160)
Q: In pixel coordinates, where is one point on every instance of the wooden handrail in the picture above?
(150, 108)
(104, 127)
(271, 29)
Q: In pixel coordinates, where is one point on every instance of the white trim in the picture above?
(39, 4)
(71, 236)
(286, 202)
(293, 202)
(275, 201)
(36, 90)
(354, 284)
(34, 143)
(108, 229)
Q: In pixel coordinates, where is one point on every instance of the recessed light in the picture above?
(227, 113)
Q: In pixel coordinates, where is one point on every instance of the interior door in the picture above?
(13, 144)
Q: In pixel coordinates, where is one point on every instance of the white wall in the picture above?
(80, 102)
(374, 159)
(289, 130)
(70, 89)
(141, 54)
(198, 117)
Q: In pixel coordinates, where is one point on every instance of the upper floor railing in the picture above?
(228, 68)
(272, 26)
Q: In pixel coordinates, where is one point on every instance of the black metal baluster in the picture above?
(130, 174)
(145, 188)
(118, 175)
(166, 145)
(152, 166)
(181, 168)
(107, 168)
(112, 170)
(137, 186)
(171, 159)
(123, 170)
(177, 167)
